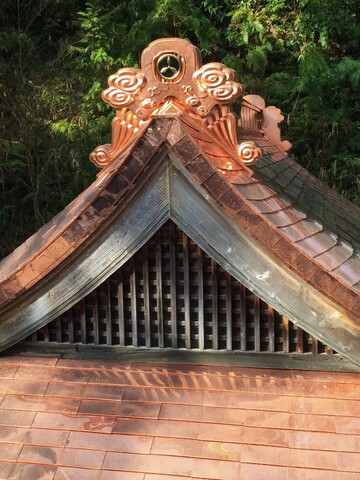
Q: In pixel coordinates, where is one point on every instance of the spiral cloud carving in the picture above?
(101, 155)
(217, 81)
(124, 86)
(249, 152)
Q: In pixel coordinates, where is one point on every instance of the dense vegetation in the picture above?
(55, 57)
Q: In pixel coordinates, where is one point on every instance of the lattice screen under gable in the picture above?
(172, 294)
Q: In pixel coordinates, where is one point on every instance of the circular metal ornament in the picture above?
(169, 66)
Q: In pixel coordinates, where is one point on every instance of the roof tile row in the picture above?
(201, 422)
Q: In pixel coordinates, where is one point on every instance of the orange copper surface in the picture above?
(173, 81)
(98, 419)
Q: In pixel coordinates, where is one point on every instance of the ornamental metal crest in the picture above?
(172, 81)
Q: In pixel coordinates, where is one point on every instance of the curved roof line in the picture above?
(236, 217)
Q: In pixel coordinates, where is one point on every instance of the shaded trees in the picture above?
(55, 57)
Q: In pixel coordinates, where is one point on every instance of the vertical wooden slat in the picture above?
(95, 317)
(201, 315)
(108, 319)
(229, 340)
(242, 318)
(120, 299)
(159, 293)
(186, 290)
(271, 324)
(299, 340)
(146, 296)
(214, 297)
(71, 325)
(256, 323)
(46, 333)
(133, 301)
(58, 330)
(285, 335)
(314, 345)
(83, 322)
(173, 302)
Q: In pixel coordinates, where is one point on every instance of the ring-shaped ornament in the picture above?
(169, 67)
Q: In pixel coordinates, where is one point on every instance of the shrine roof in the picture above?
(242, 169)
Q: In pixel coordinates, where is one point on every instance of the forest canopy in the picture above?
(56, 55)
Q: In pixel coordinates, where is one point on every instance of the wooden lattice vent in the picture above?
(172, 294)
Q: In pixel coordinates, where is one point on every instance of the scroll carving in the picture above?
(126, 128)
(123, 87)
(217, 81)
(249, 152)
(172, 81)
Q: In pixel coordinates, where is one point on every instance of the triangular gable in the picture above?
(171, 294)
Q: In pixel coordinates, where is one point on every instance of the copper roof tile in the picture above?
(237, 177)
(216, 185)
(335, 256)
(103, 178)
(316, 244)
(304, 266)
(200, 168)
(356, 307)
(300, 230)
(349, 271)
(286, 254)
(73, 234)
(175, 134)
(324, 281)
(10, 264)
(248, 220)
(186, 149)
(43, 261)
(104, 203)
(12, 286)
(266, 235)
(231, 200)
(50, 230)
(19, 253)
(158, 132)
(285, 217)
(27, 275)
(270, 205)
(254, 191)
(118, 185)
(142, 152)
(342, 294)
(132, 168)
(59, 247)
(3, 296)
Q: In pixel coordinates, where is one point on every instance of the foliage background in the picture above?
(55, 57)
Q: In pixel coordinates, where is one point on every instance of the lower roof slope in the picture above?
(73, 419)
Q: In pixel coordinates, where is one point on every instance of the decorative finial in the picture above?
(172, 81)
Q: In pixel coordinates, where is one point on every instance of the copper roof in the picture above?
(302, 225)
(72, 419)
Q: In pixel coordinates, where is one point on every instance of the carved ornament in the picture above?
(255, 114)
(170, 82)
